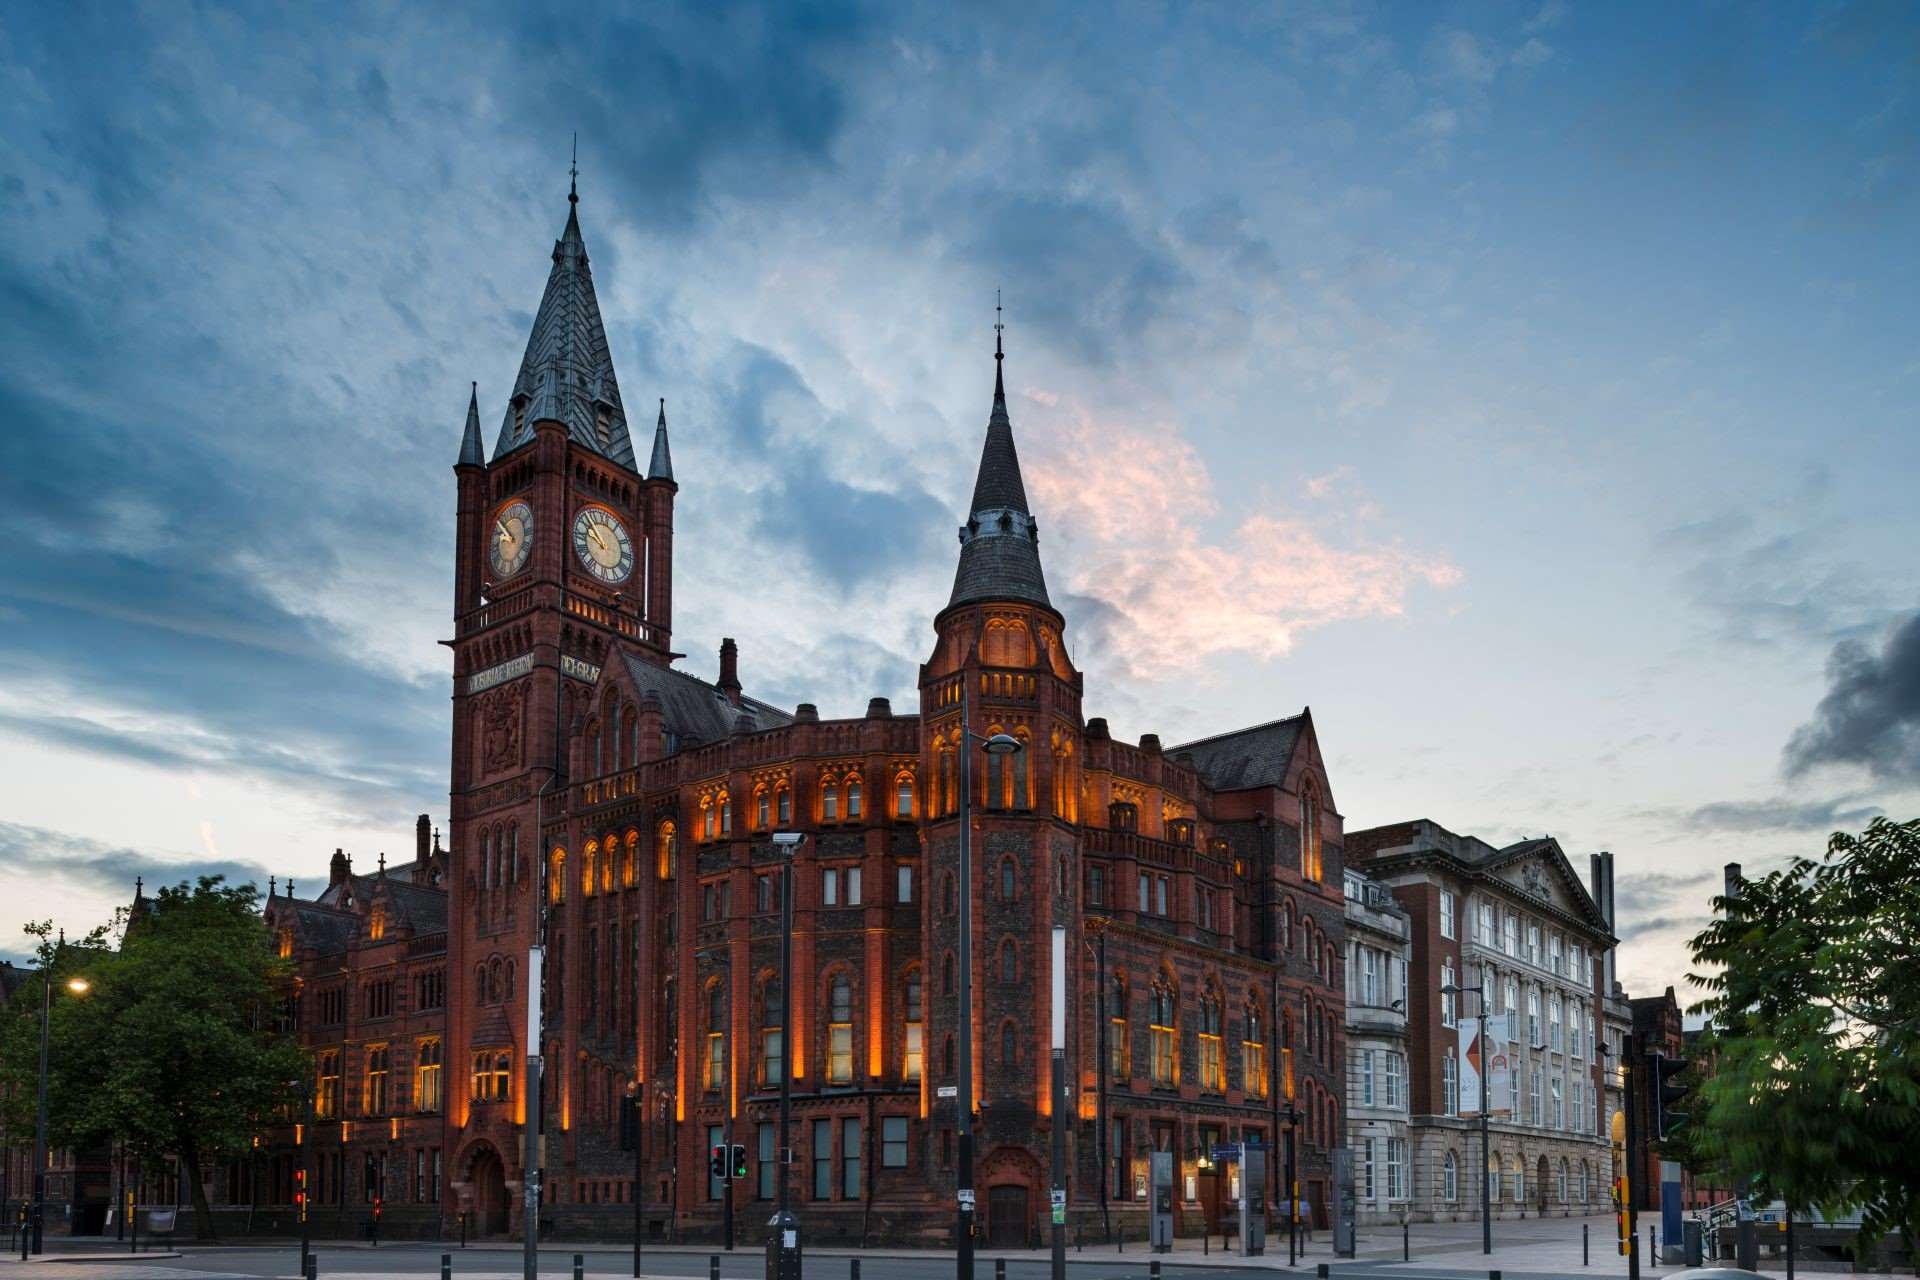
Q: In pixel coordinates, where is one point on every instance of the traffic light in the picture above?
(300, 1192)
(1667, 1095)
(739, 1161)
(717, 1163)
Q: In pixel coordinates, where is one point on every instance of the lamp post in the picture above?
(78, 986)
(1486, 1159)
(1097, 926)
(1060, 1103)
(783, 1244)
(1292, 1114)
(1000, 744)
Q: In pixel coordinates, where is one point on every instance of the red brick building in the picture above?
(619, 810)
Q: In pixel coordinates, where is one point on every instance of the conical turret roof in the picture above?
(472, 452)
(1000, 542)
(567, 372)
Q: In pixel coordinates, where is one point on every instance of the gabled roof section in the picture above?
(1000, 542)
(694, 711)
(1245, 758)
(567, 372)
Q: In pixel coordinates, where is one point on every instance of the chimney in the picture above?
(422, 839)
(806, 713)
(1602, 875)
(339, 868)
(879, 708)
(730, 670)
(1150, 743)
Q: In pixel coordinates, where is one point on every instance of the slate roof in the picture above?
(660, 466)
(1000, 542)
(694, 711)
(1255, 757)
(472, 452)
(323, 928)
(567, 372)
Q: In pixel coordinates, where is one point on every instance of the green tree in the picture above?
(176, 1050)
(1814, 1088)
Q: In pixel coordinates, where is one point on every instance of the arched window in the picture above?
(1009, 962)
(829, 802)
(1066, 791)
(1161, 1020)
(557, 876)
(1450, 1179)
(912, 1006)
(760, 808)
(716, 1064)
(840, 1031)
(1560, 1185)
(1122, 816)
(783, 806)
(853, 796)
(773, 1055)
(1253, 1049)
(664, 851)
(1213, 1064)
(995, 789)
(903, 796)
(1310, 866)
(1286, 927)
(588, 857)
(706, 817)
(630, 857)
(1009, 1045)
(607, 854)
(1007, 880)
(726, 814)
(948, 798)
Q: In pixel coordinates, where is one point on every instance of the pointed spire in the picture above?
(472, 452)
(999, 544)
(661, 466)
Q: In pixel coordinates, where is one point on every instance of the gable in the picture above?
(1539, 869)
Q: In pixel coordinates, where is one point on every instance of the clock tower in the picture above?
(564, 552)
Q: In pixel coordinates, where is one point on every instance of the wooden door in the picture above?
(1007, 1220)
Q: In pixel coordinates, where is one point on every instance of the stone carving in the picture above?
(500, 730)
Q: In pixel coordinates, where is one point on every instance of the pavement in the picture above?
(1536, 1249)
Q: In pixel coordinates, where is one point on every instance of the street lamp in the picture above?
(1486, 1159)
(1293, 1116)
(77, 986)
(1097, 926)
(783, 1243)
(1000, 744)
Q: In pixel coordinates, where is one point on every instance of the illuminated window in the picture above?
(377, 924)
(426, 1076)
(773, 1035)
(1119, 1056)
(557, 876)
(716, 1075)
(1161, 1021)
(1213, 1071)
(326, 1092)
(903, 796)
(589, 862)
(913, 1020)
(492, 1078)
(760, 808)
(840, 1031)
(607, 854)
(1253, 1053)
(628, 861)
(376, 1094)
(665, 851)
(726, 814)
(1310, 854)
(853, 797)
(706, 818)
(829, 802)
(286, 943)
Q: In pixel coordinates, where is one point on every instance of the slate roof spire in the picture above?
(660, 467)
(472, 452)
(567, 372)
(1000, 543)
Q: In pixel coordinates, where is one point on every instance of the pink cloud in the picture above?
(1128, 505)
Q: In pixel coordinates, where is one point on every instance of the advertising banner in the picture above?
(1499, 1066)
(1470, 1054)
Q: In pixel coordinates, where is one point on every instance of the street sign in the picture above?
(966, 1199)
(1229, 1152)
(1059, 1198)
(949, 1091)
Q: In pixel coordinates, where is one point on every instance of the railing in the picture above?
(594, 611)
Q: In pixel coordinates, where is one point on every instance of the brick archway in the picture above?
(1013, 1188)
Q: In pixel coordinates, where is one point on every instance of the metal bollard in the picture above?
(999, 1269)
(1153, 1269)
(313, 1266)
(1583, 1244)
(1406, 1243)
(1653, 1251)
(579, 1266)
(1206, 1243)
(446, 1266)
(713, 1266)
(853, 1269)
(1321, 1271)
(1493, 1275)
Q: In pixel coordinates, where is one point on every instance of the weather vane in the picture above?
(998, 354)
(573, 171)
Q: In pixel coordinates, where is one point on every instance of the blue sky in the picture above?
(1530, 388)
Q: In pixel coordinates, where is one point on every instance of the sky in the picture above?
(1528, 388)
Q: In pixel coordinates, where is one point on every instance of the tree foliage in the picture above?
(175, 1050)
(1812, 1060)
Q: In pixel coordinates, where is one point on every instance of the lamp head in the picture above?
(788, 841)
(79, 986)
(1002, 744)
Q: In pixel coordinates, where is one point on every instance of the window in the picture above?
(1213, 1071)
(664, 852)
(1366, 1169)
(761, 810)
(766, 894)
(326, 1092)
(783, 806)
(377, 1062)
(903, 796)
(1008, 880)
(1534, 953)
(1450, 1083)
(1510, 934)
(829, 802)
(1447, 979)
(1009, 1046)
(850, 1183)
(430, 990)
(1310, 856)
(426, 1076)
(589, 859)
(1553, 953)
(492, 1077)
(1396, 1090)
(823, 1159)
(773, 1049)
(1146, 893)
(1097, 886)
(726, 814)
(914, 1028)
(830, 887)
(378, 998)
(557, 876)
(1399, 1170)
(1363, 1075)
(716, 1073)
(853, 797)
(768, 1161)
(1446, 914)
(1533, 1017)
(1559, 1106)
(1555, 1009)
(1579, 1104)
(1534, 1112)
(903, 883)
(893, 1142)
(1117, 1054)
(1370, 976)
(1160, 885)
(840, 1031)
(1253, 1054)
(1161, 1022)
(1450, 1179)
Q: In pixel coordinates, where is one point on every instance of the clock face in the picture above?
(601, 542)
(511, 539)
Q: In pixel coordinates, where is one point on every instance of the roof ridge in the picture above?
(1230, 733)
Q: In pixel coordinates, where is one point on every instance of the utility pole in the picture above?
(1097, 925)
(1628, 1071)
(1060, 1103)
(963, 1227)
(638, 1105)
(530, 1169)
(783, 1245)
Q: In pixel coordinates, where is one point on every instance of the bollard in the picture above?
(1493, 1275)
(1406, 1243)
(853, 1269)
(1206, 1243)
(713, 1266)
(446, 1266)
(1583, 1244)
(1122, 1240)
(1321, 1271)
(313, 1266)
(1153, 1269)
(1653, 1251)
(579, 1266)
(999, 1269)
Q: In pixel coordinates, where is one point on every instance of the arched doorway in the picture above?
(1008, 1215)
(1012, 1183)
(490, 1204)
(1541, 1174)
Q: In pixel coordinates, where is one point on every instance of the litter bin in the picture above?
(1691, 1241)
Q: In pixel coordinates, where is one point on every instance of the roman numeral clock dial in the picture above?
(510, 539)
(602, 544)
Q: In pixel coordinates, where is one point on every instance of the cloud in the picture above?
(1782, 816)
(1133, 503)
(79, 862)
(1870, 715)
(1532, 53)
